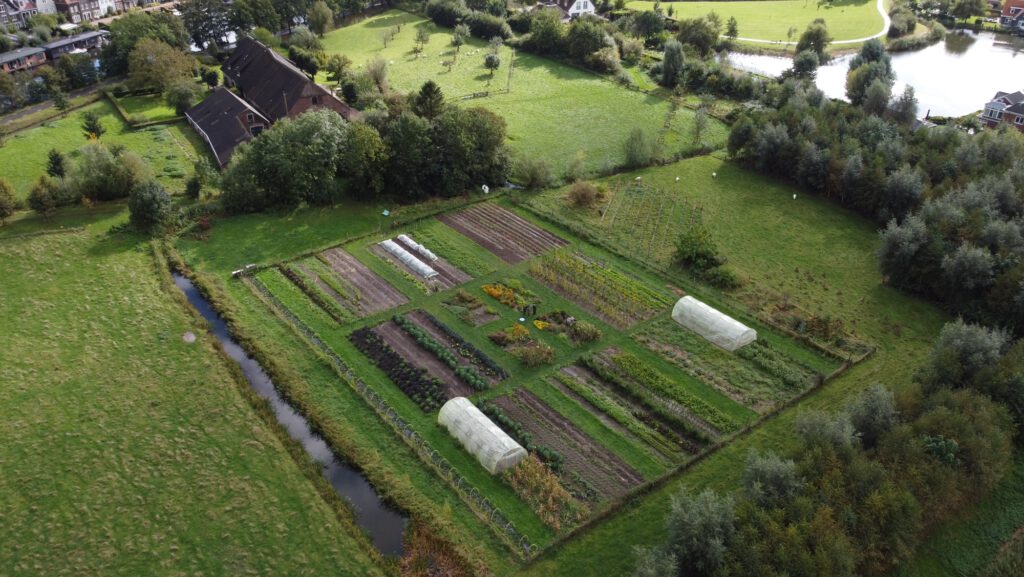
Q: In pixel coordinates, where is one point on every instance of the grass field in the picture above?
(147, 107)
(591, 113)
(127, 451)
(772, 19)
(169, 149)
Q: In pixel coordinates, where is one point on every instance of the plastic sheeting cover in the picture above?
(495, 450)
(419, 267)
(712, 324)
(418, 247)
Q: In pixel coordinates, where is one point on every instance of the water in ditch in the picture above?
(385, 525)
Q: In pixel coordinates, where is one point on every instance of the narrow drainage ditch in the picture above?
(385, 526)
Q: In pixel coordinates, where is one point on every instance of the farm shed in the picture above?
(495, 450)
(712, 324)
(419, 267)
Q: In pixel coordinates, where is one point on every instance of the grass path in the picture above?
(126, 450)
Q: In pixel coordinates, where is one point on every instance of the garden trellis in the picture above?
(495, 450)
(712, 324)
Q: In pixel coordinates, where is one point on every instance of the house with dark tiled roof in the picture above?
(17, 12)
(1005, 107)
(1012, 15)
(225, 121)
(275, 86)
(22, 59)
(85, 42)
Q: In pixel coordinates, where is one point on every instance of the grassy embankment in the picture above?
(128, 451)
(168, 149)
(552, 111)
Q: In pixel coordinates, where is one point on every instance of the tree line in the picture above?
(951, 201)
(861, 486)
(415, 148)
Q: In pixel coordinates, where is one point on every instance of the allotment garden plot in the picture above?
(569, 350)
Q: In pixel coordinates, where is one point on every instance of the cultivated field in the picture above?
(506, 235)
(543, 343)
(126, 450)
(596, 112)
(804, 251)
(168, 149)
(772, 19)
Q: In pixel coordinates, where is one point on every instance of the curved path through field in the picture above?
(886, 21)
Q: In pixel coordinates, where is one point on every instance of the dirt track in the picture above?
(603, 469)
(376, 294)
(410, 350)
(510, 237)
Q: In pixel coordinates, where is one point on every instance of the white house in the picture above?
(570, 8)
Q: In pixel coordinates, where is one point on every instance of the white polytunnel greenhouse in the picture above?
(712, 324)
(419, 267)
(418, 247)
(495, 450)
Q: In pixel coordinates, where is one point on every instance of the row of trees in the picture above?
(952, 201)
(863, 485)
(418, 148)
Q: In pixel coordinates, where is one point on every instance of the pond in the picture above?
(385, 526)
(951, 78)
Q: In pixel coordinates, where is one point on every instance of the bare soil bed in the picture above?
(410, 350)
(505, 234)
(375, 293)
(470, 358)
(583, 455)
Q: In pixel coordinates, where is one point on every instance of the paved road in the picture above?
(886, 21)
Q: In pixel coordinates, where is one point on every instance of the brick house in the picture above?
(1005, 107)
(17, 12)
(274, 86)
(225, 121)
(22, 59)
(1012, 15)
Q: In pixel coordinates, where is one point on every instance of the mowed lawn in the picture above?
(127, 451)
(772, 19)
(821, 256)
(552, 111)
(168, 149)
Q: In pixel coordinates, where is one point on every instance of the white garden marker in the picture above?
(794, 197)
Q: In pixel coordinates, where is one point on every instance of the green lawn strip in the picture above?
(307, 282)
(544, 92)
(632, 452)
(295, 299)
(364, 438)
(462, 252)
(167, 149)
(148, 107)
(116, 424)
(968, 543)
(771, 19)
